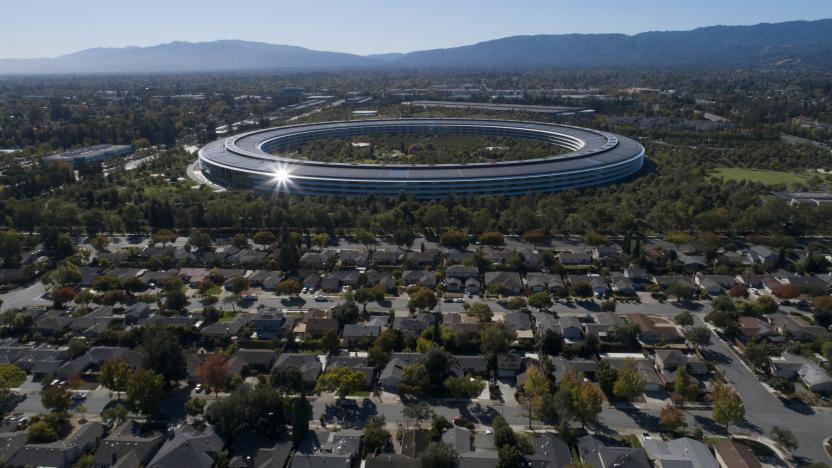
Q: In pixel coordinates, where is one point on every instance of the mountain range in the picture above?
(762, 45)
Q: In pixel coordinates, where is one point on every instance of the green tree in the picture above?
(630, 383)
(684, 388)
(606, 376)
(341, 380)
(481, 311)
(321, 240)
(145, 392)
(260, 410)
(264, 238)
(681, 291)
(301, 412)
(540, 299)
(366, 295)
(467, 386)
(453, 238)
(728, 407)
(287, 379)
(330, 343)
(163, 353)
(114, 375)
(503, 433)
(492, 238)
(684, 319)
(551, 343)
(375, 437)
(195, 406)
(56, 398)
(418, 412)
(41, 432)
(289, 287)
(698, 336)
(535, 389)
(438, 455)
(422, 298)
(509, 457)
(756, 354)
(199, 240)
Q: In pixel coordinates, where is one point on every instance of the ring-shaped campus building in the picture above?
(260, 160)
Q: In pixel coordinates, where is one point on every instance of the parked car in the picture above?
(460, 420)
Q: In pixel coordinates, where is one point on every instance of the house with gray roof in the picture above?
(391, 376)
(324, 449)
(816, 378)
(679, 452)
(127, 445)
(597, 454)
(308, 365)
(419, 278)
(61, 453)
(188, 446)
(550, 451)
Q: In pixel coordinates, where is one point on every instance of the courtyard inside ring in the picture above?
(260, 160)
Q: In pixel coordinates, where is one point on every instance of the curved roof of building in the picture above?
(592, 149)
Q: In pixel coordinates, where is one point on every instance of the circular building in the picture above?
(259, 160)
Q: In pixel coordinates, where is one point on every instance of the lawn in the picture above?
(761, 176)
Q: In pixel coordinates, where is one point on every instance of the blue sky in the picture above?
(47, 28)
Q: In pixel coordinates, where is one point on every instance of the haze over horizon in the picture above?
(360, 27)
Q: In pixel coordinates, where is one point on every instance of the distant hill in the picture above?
(223, 55)
(762, 45)
(807, 42)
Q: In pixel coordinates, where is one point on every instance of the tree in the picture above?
(419, 412)
(260, 410)
(672, 418)
(453, 238)
(822, 313)
(195, 406)
(492, 238)
(684, 388)
(784, 438)
(375, 437)
(321, 240)
(301, 412)
(341, 380)
(366, 295)
(288, 379)
(503, 433)
(41, 432)
(163, 236)
(582, 289)
(698, 336)
(289, 287)
(346, 312)
(606, 376)
(495, 338)
(765, 305)
(587, 403)
(481, 311)
(114, 375)
(174, 292)
(467, 386)
(264, 238)
(551, 342)
(516, 303)
(509, 457)
(437, 364)
(61, 296)
(728, 407)
(163, 353)
(624, 333)
(240, 284)
(536, 387)
(329, 342)
(56, 398)
(240, 241)
(214, 373)
(756, 353)
(438, 455)
(540, 299)
(723, 304)
(630, 382)
(145, 392)
(681, 291)
(684, 319)
(414, 379)
(422, 298)
(199, 240)
(534, 236)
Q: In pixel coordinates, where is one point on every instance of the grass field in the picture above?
(758, 175)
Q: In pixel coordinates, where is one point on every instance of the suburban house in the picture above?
(597, 454)
(308, 365)
(732, 454)
(508, 279)
(679, 452)
(391, 376)
(652, 331)
(419, 278)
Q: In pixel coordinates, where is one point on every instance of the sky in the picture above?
(48, 28)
